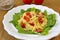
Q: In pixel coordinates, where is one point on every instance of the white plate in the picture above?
(13, 31)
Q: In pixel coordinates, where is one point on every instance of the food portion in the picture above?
(33, 21)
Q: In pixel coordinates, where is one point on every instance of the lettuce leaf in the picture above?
(16, 17)
(33, 10)
(45, 30)
(51, 22)
(45, 13)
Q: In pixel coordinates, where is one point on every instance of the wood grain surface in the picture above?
(54, 4)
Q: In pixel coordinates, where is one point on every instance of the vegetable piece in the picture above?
(38, 30)
(38, 1)
(19, 28)
(31, 23)
(27, 1)
(45, 13)
(26, 32)
(37, 10)
(42, 13)
(28, 10)
(45, 31)
(16, 17)
(26, 18)
(51, 22)
(40, 20)
(28, 14)
(23, 25)
(22, 11)
(33, 10)
(37, 13)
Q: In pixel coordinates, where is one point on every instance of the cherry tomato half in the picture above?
(26, 18)
(28, 14)
(23, 25)
(31, 23)
(40, 20)
(38, 30)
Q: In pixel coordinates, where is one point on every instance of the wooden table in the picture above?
(54, 4)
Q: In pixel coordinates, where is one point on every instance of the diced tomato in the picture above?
(37, 14)
(29, 14)
(23, 25)
(42, 13)
(31, 23)
(38, 30)
(40, 20)
(26, 18)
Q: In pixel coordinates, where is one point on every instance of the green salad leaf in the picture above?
(26, 32)
(37, 10)
(45, 13)
(28, 10)
(46, 30)
(51, 20)
(16, 17)
(22, 11)
(33, 10)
